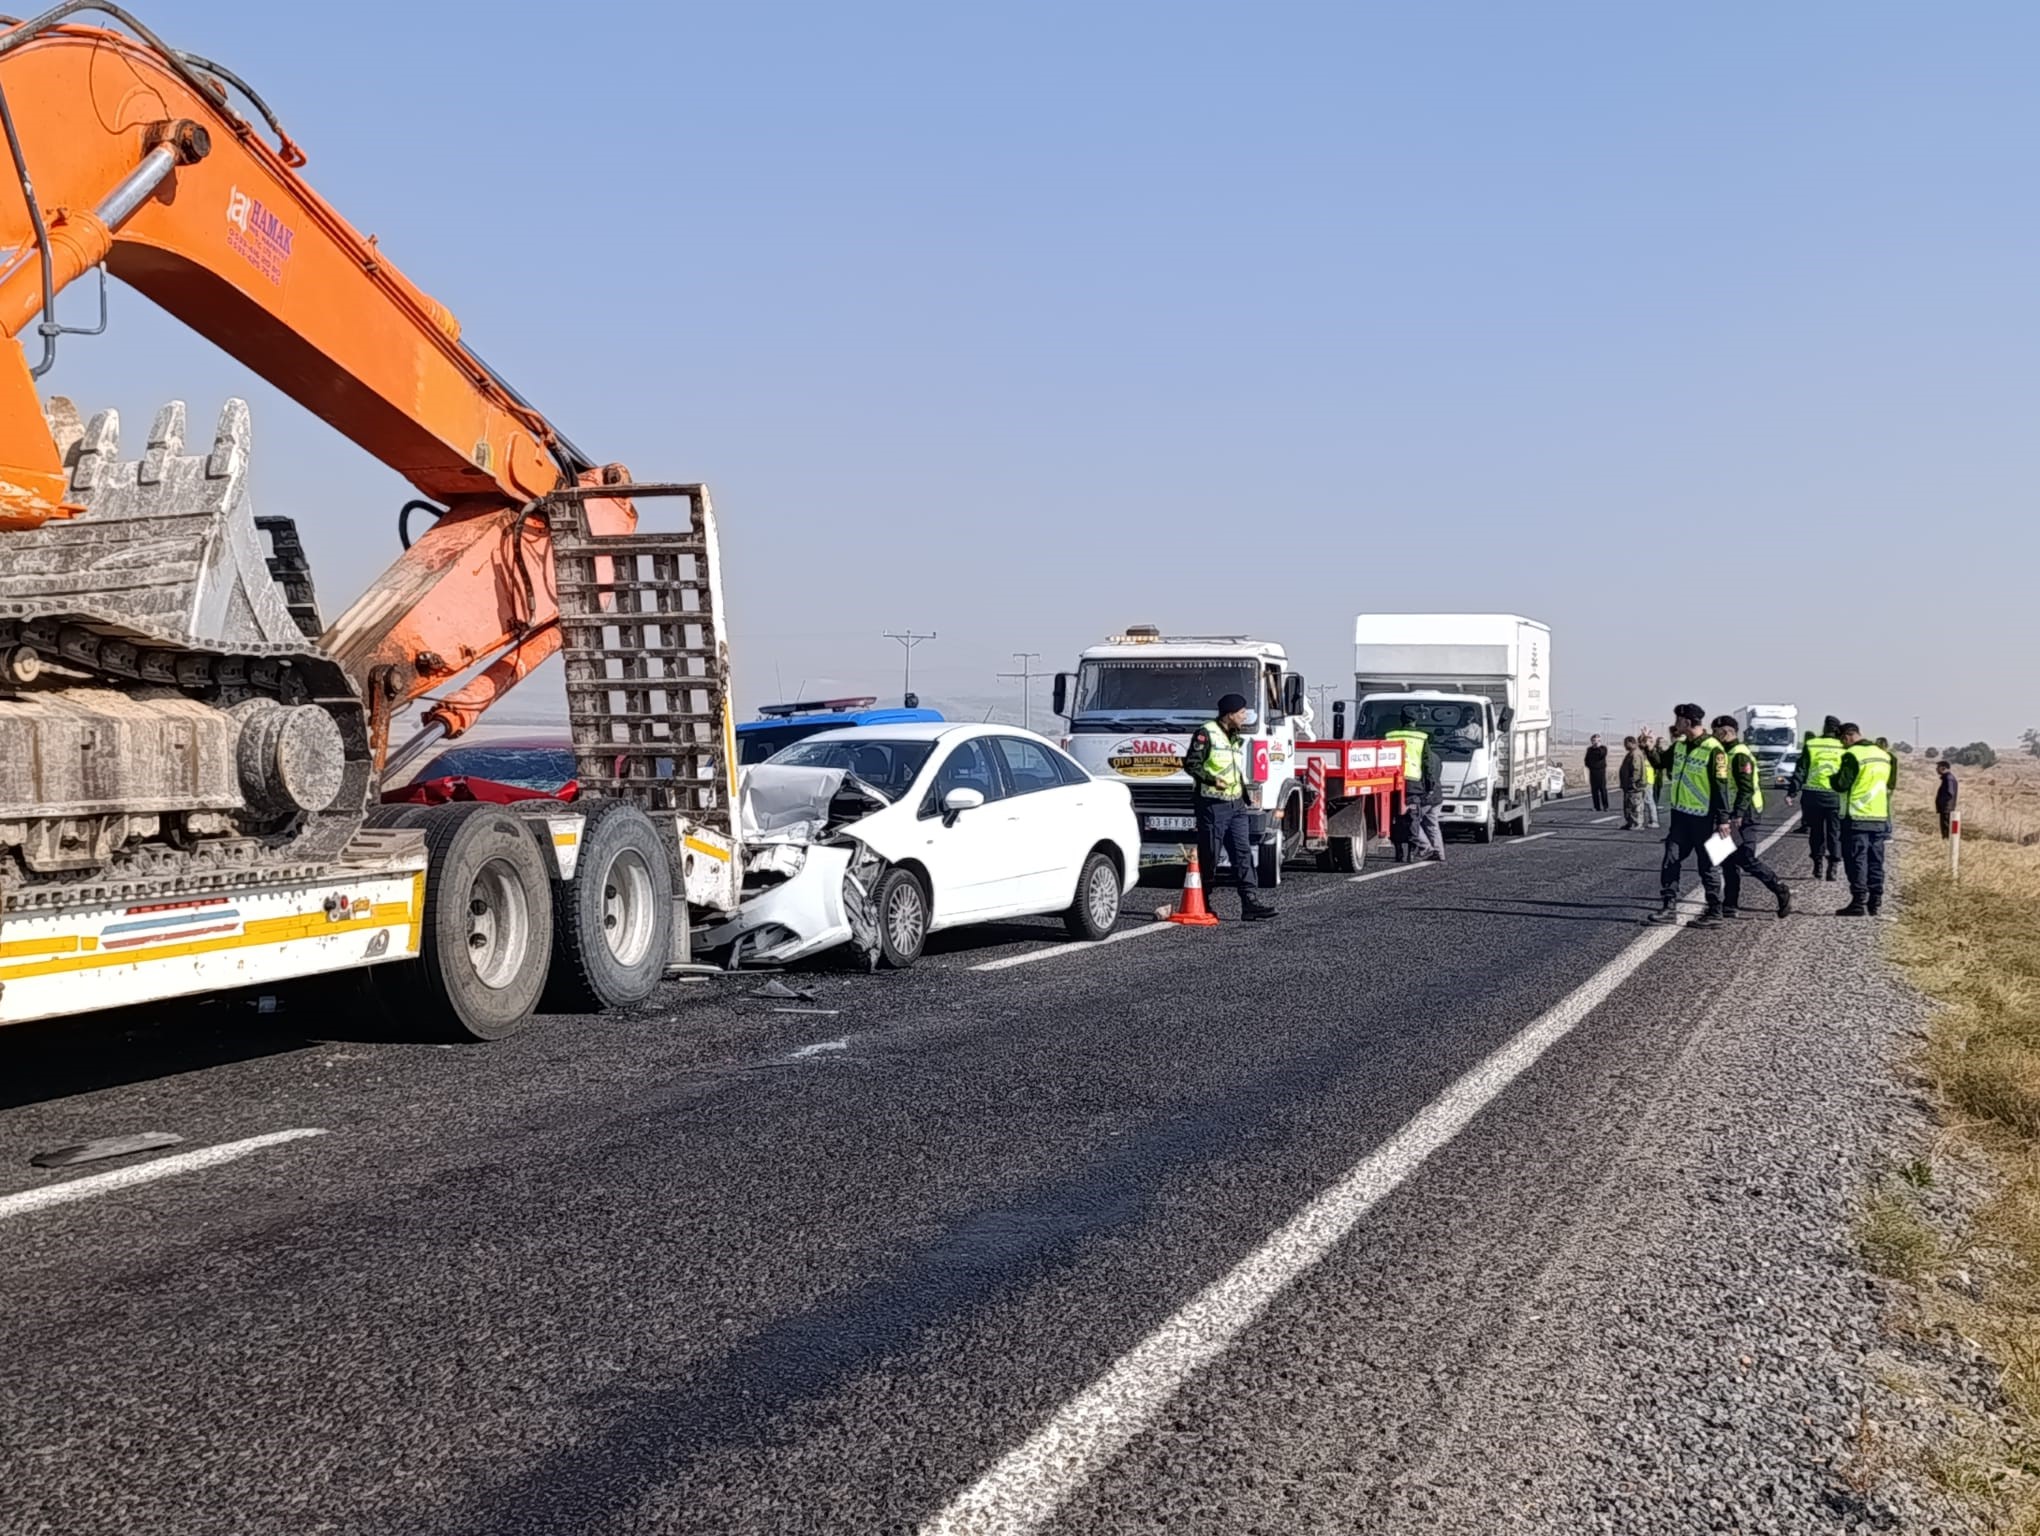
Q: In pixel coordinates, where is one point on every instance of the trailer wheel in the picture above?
(485, 943)
(1345, 855)
(613, 922)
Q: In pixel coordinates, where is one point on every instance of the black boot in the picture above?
(1833, 870)
(1784, 902)
(1729, 914)
(1875, 904)
(1258, 912)
(1855, 908)
(1711, 918)
(1668, 913)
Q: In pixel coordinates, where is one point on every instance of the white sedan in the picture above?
(883, 834)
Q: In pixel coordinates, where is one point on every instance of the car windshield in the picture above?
(890, 766)
(1453, 725)
(543, 768)
(1771, 736)
(1148, 692)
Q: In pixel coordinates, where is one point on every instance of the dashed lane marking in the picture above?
(94, 1185)
(1517, 842)
(1393, 869)
(1056, 951)
(1025, 1490)
(1602, 821)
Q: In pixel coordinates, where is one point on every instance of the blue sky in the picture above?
(1707, 335)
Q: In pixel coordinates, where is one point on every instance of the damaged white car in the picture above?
(880, 835)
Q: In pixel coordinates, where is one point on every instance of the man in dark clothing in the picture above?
(1702, 799)
(1865, 782)
(1597, 772)
(1945, 793)
(1746, 819)
(1216, 761)
(1820, 807)
(1634, 778)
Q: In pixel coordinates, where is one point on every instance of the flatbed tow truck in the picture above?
(189, 753)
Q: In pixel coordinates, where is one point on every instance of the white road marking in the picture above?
(142, 1173)
(1025, 1489)
(1055, 951)
(1602, 821)
(816, 1048)
(1517, 842)
(1393, 869)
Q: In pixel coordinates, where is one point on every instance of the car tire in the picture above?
(613, 922)
(485, 936)
(902, 905)
(1094, 911)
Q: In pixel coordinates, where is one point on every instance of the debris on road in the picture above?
(778, 991)
(103, 1147)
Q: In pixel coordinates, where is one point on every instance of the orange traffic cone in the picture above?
(1191, 910)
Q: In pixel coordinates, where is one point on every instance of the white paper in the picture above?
(1718, 848)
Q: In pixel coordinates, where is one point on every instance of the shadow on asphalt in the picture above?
(1622, 914)
(59, 1058)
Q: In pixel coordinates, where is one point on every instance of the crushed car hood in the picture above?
(781, 803)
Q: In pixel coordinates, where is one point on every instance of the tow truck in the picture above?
(1134, 701)
(192, 750)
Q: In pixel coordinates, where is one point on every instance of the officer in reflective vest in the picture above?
(1420, 787)
(1746, 774)
(1813, 781)
(1702, 800)
(1864, 781)
(1215, 762)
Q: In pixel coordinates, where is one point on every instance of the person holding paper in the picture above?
(1702, 800)
(1746, 816)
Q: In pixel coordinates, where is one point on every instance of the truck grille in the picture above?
(1164, 799)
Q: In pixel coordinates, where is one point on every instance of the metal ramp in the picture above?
(647, 662)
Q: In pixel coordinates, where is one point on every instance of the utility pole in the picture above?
(908, 639)
(1025, 678)
(1917, 746)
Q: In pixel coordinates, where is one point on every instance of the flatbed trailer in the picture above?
(1353, 791)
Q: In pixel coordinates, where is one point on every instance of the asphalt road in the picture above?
(918, 1252)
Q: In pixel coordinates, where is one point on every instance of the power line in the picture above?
(908, 639)
(1025, 678)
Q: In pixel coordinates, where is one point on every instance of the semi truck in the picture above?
(1771, 731)
(1132, 705)
(194, 751)
(1480, 685)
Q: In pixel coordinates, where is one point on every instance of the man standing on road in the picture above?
(1945, 793)
(1420, 787)
(1864, 781)
(1813, 782)
(1630, 776)
(1597, 772)
(1703, 802)
(1222, 814)
(1646, 744)
(1747, 775)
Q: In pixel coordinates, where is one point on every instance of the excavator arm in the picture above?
(129, 156)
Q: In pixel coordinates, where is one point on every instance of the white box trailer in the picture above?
(1480, 684)
(1771, 731)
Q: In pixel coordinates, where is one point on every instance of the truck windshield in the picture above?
(1771, 736)
(1454, 727)
(1150, 692)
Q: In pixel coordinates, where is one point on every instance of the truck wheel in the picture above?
(1485, 832)
(1343, 855)
(1095, 911)
(902, 919)
(486, 936)
(613, 922)
(1523, 820)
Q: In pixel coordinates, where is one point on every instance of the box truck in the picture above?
(1771, 731)
(1480, 685)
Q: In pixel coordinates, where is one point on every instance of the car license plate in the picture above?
(1172, 823)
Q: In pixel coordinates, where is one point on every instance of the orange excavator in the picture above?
(176, 720)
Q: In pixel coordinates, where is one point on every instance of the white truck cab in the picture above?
(1771, 731)
(1133, 703)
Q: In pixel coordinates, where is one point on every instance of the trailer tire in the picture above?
(1345, 855)
(485, 940)
(613, 922)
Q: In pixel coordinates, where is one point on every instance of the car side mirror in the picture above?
(1062, 694)
(1292, 694)
(1338, 720)
(957, 801)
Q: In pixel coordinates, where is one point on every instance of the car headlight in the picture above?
(1473, 789)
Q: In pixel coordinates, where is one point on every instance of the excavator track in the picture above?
(149, 641)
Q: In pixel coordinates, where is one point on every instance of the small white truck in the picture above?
(1771, 731)
(1132, 705)
(1480, 685)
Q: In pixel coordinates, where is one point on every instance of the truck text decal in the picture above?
(1146, 757)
